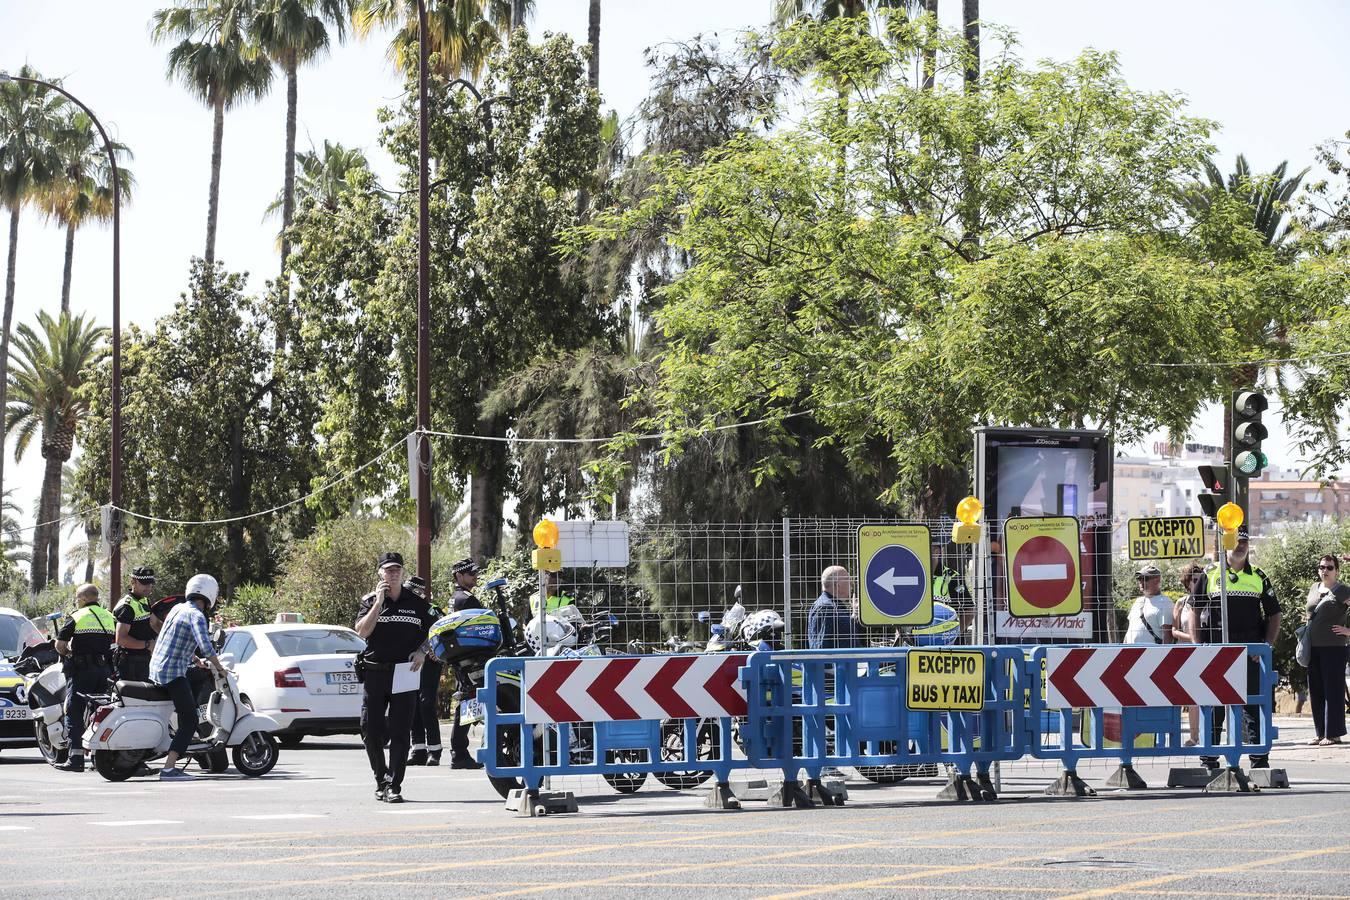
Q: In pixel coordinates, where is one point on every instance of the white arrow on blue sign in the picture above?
(899, 575)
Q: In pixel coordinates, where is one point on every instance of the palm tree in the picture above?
(291, 33)
(593, 38)
(30, 118)
(462, 33)
(13, 546)
(785, 11)
(45, 399)
(83, 193)
(214, 60)
(324, 178)
(78, 516)
(1268, 196)
(970, 17)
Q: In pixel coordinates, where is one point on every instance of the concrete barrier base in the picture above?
(541, 803)
(1269, 778)
(721, 797)
(829, 793)
(1126, 778)
(1230, 781)
(1068, 784)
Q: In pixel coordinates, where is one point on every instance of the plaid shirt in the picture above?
(183, 635)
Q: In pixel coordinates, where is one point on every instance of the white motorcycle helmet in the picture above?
(763, 625)
(557, 633)
(204, 586)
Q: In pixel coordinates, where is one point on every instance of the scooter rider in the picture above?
(136, 627)
(84, 641)
(184, 636)
(465, 573)
(394, 623)
(426, 720)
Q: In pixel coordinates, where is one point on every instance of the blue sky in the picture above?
(1274, 75)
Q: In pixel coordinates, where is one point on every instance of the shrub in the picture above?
(325, 575)
(252, 604)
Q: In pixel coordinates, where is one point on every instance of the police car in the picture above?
(16, 721)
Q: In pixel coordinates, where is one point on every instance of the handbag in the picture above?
(1303, 649)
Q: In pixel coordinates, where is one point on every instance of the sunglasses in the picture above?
(1326, 568)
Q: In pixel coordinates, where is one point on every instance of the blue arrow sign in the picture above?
(895, 580)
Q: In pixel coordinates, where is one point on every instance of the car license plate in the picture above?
(472, 711)
(341, 678)
(18, 712)
(347, 688)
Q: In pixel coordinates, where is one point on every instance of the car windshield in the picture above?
(16, 632)
(311, 641)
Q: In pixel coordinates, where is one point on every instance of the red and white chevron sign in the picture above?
(1175, 675)
(618, 688)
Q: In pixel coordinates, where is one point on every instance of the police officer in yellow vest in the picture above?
(84, 642)
(1253, 615)
(554, 601)
(137, 627)
(950, 588)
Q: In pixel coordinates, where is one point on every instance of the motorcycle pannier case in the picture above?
(466, 636)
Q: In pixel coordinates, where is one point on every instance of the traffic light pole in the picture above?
(1223, 581)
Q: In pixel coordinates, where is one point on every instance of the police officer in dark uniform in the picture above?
(394, 623)
(465, 573)
(85, 643)
(1253, 615)
(426, 721)
(137, 627)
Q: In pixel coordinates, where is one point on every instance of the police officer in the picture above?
(950, 588)
(465, 574)
(85, 643)
(394, 623)
(136, 627)
(554, 600)
(426, 720)
(1253, 615)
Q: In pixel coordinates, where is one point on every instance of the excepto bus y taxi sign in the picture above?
(1178, 537)
(945, 680)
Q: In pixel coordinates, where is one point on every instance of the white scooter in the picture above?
(44, 688)
(138, 724)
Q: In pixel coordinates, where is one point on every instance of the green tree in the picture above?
(325, 177)
(218, 427)
(30, 122)
(83, 193)
(47, 400)
(984, 262)
(292, 33)
(1270, 196)
(214, 60)
(461, 35)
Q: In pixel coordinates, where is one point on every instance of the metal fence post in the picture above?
(787, 583)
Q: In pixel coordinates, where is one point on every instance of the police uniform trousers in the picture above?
(132, 665)
(426, 721)
(1251, 720)
(81, 679)
(386, 716)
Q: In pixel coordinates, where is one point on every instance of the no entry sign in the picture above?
(1043, 576)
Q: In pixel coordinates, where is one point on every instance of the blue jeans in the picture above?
(93, 680)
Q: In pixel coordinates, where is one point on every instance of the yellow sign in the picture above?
(895, 580)
(1180, 537)
(945, 680)
(1042, 566)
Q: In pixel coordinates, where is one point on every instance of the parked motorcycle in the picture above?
(44, 685)
(136, 726)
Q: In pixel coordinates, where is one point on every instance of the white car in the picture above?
(300, 675)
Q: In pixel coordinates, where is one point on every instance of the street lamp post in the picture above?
(115, 473)
(423, 473)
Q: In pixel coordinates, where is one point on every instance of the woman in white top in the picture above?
(1150, 618)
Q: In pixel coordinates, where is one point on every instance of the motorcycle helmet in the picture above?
(203, 586)
(557, 634)
(763, 625)
(943, 630)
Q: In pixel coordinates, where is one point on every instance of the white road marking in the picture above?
(277, 816)
(1045, 572)
(16, 828)
(411, 812)
(138, 822)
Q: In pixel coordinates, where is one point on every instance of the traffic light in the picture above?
(1218, 490)
(1248, 433)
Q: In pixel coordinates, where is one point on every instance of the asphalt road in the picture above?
(313, 829)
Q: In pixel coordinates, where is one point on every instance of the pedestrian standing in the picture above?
(426, 720)
(1192, 575)
(394, 623)
(137, 627)
(85, 644)
(465, 573)
(833, 620)
(1151, 616)
(1253, 616)
(1327, 634)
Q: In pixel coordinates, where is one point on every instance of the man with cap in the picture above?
(465, 575)
(394, 623)
(426, 722)
(137, 627)
(1253, 615)
(84, 643)
(1150, 617)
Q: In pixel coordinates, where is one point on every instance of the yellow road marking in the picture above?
(1132, 886)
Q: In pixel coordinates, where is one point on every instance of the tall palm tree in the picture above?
(52, 363)
(323, 177)
(970, 17)
(80, 518)
(13, 544)
(593, 38)
(462, 33)
(214, 60)
(83, 192)
(1268, 195)
(30, 120)
(291, 33)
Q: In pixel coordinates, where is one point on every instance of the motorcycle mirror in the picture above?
(226, 660)
(496, 584)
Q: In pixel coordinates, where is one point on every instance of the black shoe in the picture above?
(465, 762)
(434, 758)
(393, 795)
(417, 758)
(72, 764)
(382, 793)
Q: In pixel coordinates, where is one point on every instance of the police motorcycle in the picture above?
(137, 723)
(44, 687)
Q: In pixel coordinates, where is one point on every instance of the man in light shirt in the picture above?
(183, 638)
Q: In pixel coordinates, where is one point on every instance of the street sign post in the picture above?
(894, 580)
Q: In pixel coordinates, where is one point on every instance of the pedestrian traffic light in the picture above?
(1218, 490)
(1248, 433)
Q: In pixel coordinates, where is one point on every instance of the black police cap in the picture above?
(390, 558)
(143, 574)
(465, 566)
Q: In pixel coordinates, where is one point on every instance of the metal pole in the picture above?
(543, 652)
(423, 308)
(115, 451)
(1223, 583)
(787, 583)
